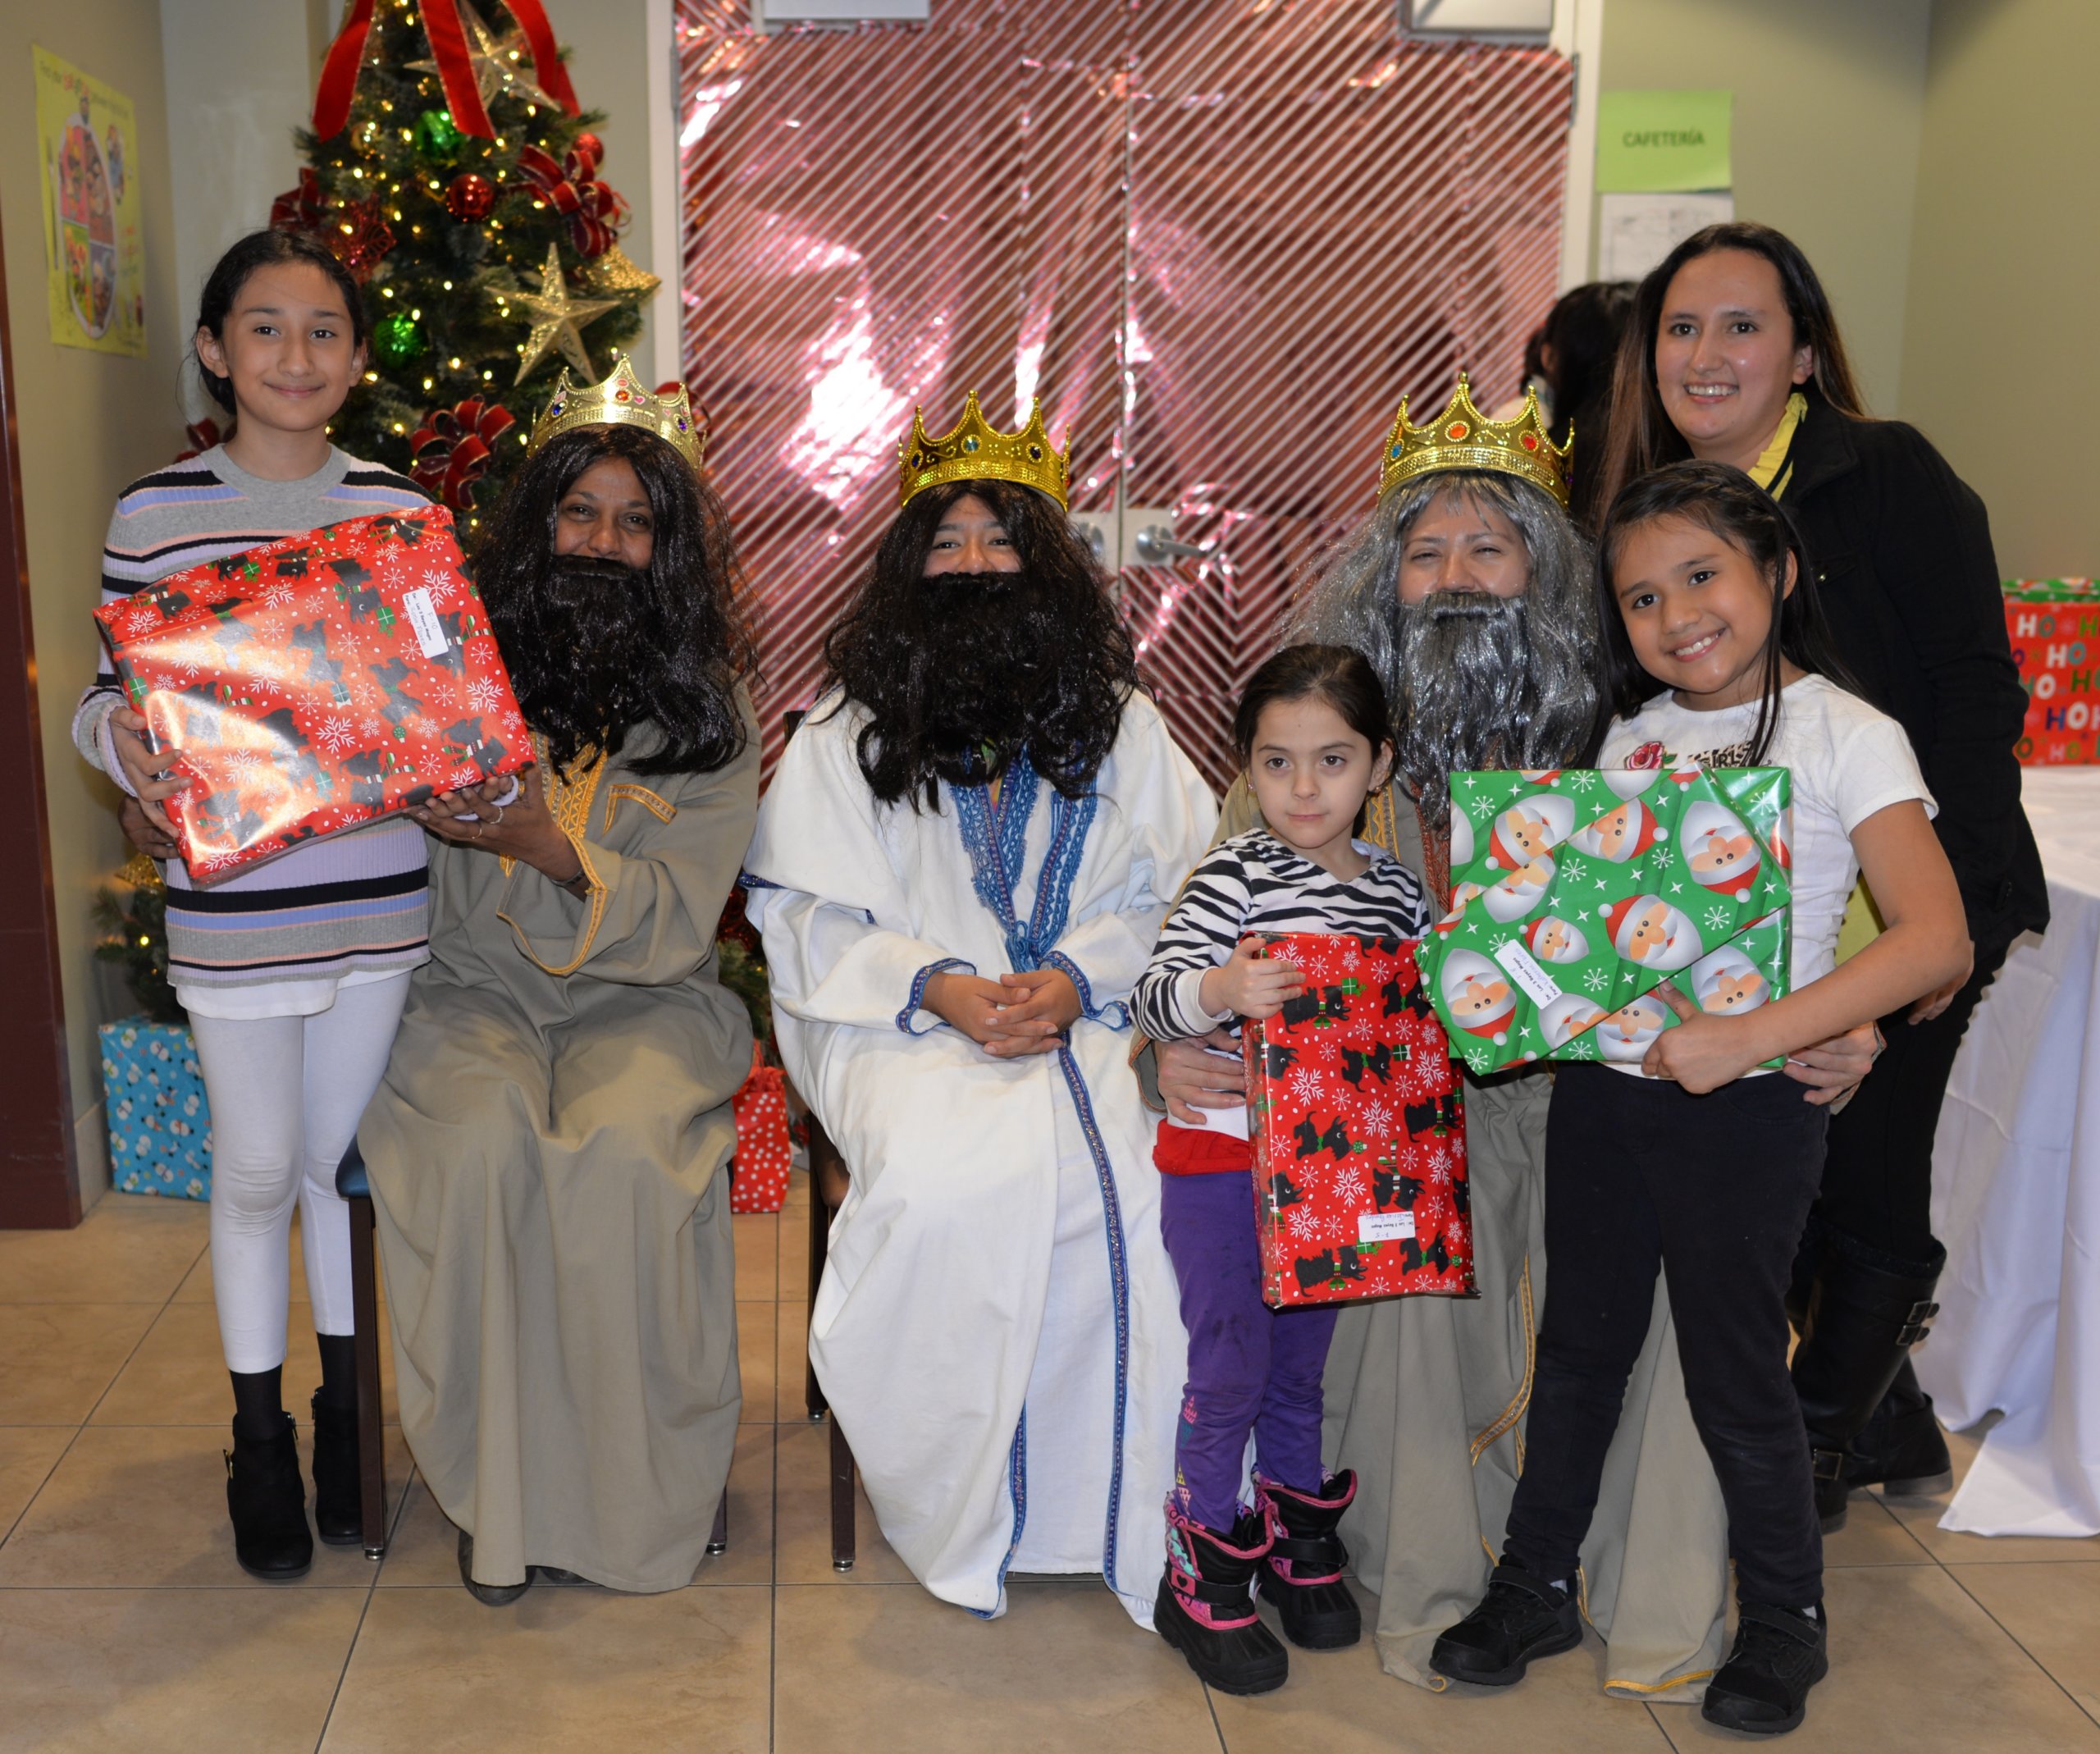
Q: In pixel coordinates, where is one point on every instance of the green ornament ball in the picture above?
(397, 340)
(437, 137)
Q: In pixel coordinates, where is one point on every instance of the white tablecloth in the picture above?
(2016, 1200)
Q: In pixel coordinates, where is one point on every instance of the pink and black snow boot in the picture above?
(1205, 1605)
(1302, 1574)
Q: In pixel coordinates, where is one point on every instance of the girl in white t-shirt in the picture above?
(1692, 1162)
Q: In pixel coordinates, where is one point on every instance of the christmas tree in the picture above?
(488, 260)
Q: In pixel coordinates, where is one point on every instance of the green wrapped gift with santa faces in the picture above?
(1576, 892)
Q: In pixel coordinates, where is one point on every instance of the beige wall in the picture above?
(1829, 100)
(2005, 257)
(89, 423)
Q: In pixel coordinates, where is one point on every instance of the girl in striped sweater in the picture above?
(295, 974)
(1312, 729)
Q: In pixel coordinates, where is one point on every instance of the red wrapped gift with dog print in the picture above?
(1358, 1130)
(315, 685)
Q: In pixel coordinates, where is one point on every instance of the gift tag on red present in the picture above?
(1359, 1129)
(316, 684)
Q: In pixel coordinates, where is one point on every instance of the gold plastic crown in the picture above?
(977, 451)
(1461, 437)
(621, 401)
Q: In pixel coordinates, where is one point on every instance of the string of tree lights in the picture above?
(487, 263)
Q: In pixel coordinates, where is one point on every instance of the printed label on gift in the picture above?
(423, 619)
(1385, 1227)
(1527, 973)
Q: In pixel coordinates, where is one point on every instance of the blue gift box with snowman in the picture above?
(160, 1125)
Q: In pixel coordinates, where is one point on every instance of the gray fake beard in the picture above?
(1465, 697)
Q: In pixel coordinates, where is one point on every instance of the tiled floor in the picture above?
(125, 1624)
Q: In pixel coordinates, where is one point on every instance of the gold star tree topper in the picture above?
(557, 317)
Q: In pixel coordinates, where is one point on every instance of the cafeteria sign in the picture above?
(1663, 141)
(88, 143)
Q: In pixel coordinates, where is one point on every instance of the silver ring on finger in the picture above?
(497, 823)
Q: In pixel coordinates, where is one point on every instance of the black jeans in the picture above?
(1878, 1176)
(1714, 1190)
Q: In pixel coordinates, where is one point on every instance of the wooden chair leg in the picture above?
(841, 1501)
(371, 1435)
(813, 1396)
(718, 1540)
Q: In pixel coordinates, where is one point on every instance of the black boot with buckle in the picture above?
(1520, 1618)
(267, 1500)
(1902, 1450)
(1864, 1314)
(338, 1513)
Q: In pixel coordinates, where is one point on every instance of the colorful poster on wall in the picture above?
(1666, 141)
(88, 142)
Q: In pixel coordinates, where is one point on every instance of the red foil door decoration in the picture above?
(1359, 1132)
(316, 684)
(1219, 240)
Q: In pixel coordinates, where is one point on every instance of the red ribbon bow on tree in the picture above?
(455, 66)
(593, 209)
(356, 232)
(451, 448)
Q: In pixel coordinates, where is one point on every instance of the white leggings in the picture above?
(286, 1094)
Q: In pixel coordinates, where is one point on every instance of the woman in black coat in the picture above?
(1733, 355)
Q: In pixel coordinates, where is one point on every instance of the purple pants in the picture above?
(1250, 1368)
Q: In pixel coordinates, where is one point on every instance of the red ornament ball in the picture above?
(588, 142)
(469, 196)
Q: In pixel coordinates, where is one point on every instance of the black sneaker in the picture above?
(1779, 1654)
(1522, 1618)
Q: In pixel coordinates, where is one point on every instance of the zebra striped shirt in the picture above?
(276, 941)
(1254, 883)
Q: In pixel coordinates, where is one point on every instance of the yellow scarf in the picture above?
(1768, 465)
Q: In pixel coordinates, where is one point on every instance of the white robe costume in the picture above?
(999, 1330)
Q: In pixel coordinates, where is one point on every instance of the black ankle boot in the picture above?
(1864, 1314)
(1302, 1574)
(1205, 1605)
(488, 1595)
(1902, 1450)
(1779, 1654)
(338, 1515)
(1520, 1618)
(267, 1500)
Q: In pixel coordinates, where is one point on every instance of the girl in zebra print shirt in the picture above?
(1312, 729)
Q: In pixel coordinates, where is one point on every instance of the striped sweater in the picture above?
(277, 940)
(1254, 883)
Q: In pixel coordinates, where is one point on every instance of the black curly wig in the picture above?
(594, 648)
(959, 672)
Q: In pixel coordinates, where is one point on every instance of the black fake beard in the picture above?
(984, 649)
(588, 615)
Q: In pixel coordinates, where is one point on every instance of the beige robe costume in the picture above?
(544, 1154)
(1426, 1400)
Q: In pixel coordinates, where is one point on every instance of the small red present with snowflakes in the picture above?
(758, 1177)
(315, 685)
(1357, 1124)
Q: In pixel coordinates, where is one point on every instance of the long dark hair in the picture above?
(1728, 502)
(263, 249)
(680, 619)
(1585, 329)
(1044, 660)
(1639, 436)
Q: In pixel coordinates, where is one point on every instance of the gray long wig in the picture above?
(1475, 682)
